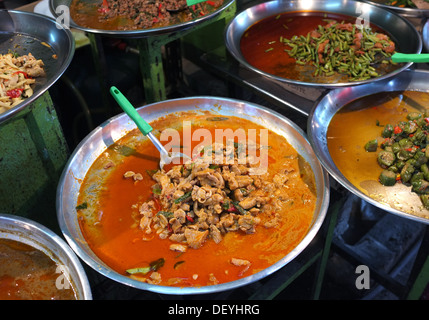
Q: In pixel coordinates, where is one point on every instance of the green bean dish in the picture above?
(344, 48)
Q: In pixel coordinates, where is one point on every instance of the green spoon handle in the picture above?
(192, 2)
(410, 57)
(123, 102)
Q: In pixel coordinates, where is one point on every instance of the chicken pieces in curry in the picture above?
(202, 200)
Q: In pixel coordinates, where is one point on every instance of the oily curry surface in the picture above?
(128, 234)
(361, 121)
(27, 273)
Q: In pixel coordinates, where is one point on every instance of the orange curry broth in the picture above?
(26, 273)
(112, 229)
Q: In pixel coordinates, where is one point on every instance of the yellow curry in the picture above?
(361, 121)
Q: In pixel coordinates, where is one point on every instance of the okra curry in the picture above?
(379, 143)
(216, 218)
(318, 47)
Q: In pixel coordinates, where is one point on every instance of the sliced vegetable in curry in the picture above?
(404, 154)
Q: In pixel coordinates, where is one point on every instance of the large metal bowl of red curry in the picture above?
(259, 37)
(131, 253)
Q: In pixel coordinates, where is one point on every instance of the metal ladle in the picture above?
(145, 128)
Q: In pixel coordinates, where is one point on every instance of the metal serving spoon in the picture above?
(188, 4)
(410, 57)
(145, 128)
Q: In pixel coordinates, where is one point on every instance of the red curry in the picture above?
(109, 202)
(27, 273)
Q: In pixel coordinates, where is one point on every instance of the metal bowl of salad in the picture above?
(344, 120)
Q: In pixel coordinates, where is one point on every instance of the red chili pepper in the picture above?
(26, 76)
(189, 218)
(104, 8)
(157, 203)
(210, 3)
(427, 120)
(232, 209)
(397, 130)
(14, 93)
(159, 11)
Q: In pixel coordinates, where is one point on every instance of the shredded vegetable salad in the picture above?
(17, 74)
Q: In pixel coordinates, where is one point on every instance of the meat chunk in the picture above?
(239, 262)
(201, 201)
(178, 247)
(195, 238)
(247, 223)
(215, 234)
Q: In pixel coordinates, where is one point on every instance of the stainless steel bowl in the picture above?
(36, 235)
(406, 12)
(401, 30)
(332, 102)
(24, 32)
(115, 128)
(61, 9)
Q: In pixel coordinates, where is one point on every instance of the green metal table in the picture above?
(33, 153)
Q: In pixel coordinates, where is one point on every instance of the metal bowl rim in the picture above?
(425, 35)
